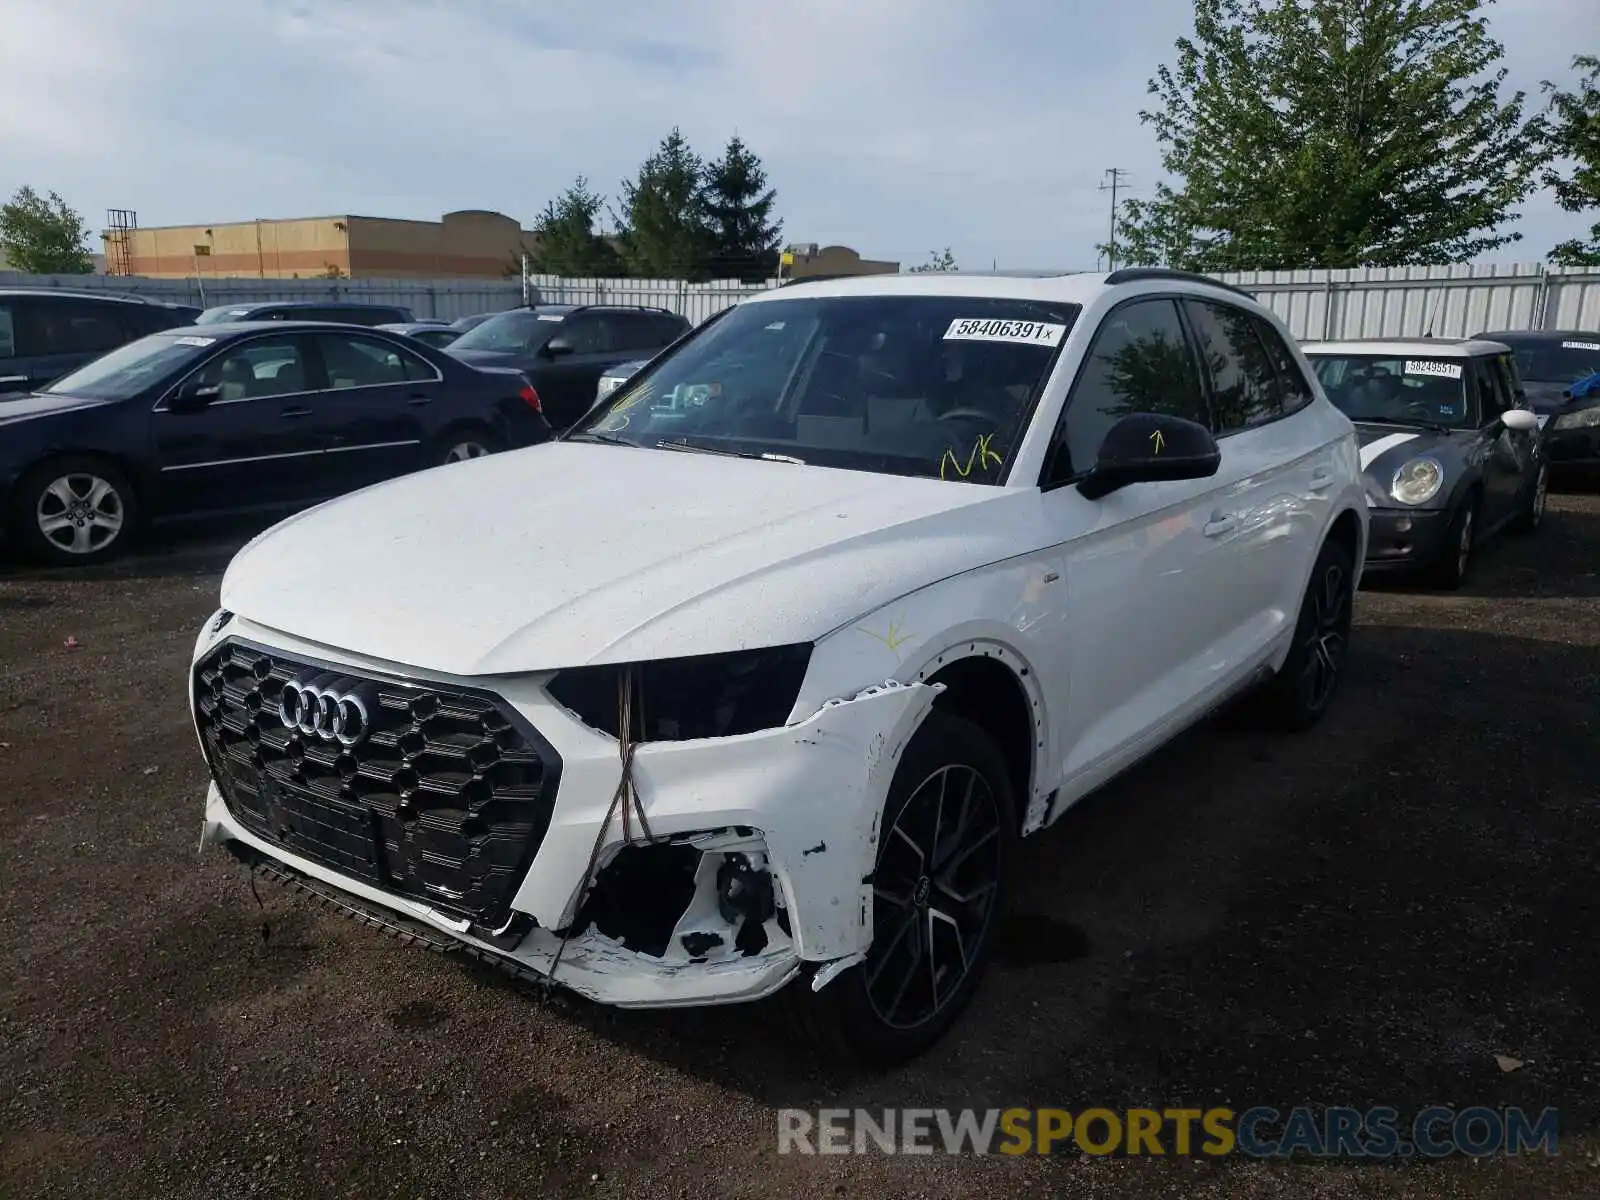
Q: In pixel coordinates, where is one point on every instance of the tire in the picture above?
(74, 511)
(848, 1016)
(1455, 559)
(467, 442)
(1300, 694)
(1529, 520)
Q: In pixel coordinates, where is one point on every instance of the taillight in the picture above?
(532, 397)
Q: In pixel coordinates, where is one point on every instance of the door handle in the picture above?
(295, 412)
(1219, 524)
(420, 399)
(1321, 480)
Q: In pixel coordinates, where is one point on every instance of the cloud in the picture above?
(894, 126)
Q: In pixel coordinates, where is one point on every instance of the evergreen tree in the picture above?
(662, 224)
(1333, 133)
(568, 243)
(737, 207)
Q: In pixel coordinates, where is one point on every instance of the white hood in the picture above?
(566, 554)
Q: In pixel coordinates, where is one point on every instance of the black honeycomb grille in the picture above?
(445, 800)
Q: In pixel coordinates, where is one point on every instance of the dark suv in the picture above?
(46, 332)
(352, 313)
(565, 348)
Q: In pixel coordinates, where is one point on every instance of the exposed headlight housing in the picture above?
(676, 699)
(1418, 481)
(1587, 419)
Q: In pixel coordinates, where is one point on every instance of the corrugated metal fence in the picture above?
(1365, 302)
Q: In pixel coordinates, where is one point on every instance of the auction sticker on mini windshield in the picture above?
(1580, 346)
(1027, 333)
(1439, 370)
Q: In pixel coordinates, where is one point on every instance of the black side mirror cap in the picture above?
(1151, 448)
(193, 397)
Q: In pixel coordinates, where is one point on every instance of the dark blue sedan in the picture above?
(222, 418)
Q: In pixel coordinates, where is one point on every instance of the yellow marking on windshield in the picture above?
(980, 456)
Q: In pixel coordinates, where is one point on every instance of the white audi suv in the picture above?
(753, 680)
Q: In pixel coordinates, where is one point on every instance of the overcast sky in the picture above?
(892, 126)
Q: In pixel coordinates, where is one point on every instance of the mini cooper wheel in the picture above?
(1532, 517)
(943, 858)
(1303, 689)
(74, 511)
(1455, 556)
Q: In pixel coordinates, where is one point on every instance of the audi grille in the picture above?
(440, 795)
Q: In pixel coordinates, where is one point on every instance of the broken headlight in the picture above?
(676, 699)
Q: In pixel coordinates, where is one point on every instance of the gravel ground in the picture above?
(1364, 915)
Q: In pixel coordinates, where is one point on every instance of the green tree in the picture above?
(938, 260)
(43, 236)
(662, 224)
(737, 207)
(568, 242)
(1333, 133)
(1575, 136)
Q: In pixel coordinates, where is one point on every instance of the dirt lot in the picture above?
(1365, 915)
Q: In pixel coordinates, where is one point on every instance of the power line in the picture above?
(1114, 177)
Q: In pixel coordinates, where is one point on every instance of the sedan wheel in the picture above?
(80, 514)
(463, 450)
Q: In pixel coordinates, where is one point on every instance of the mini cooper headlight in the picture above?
(1418, 481)
(1586, 419)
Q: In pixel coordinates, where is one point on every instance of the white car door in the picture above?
(1268, 523)
(1149, 580)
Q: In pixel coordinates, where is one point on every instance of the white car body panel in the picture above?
(1122, 621)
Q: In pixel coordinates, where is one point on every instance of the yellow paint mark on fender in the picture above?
(979, 458)
(1158, 440)
(894, 639)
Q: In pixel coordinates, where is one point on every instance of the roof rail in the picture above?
(1135, 274)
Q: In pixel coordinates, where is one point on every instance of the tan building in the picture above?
(469, 244)
(808, 259)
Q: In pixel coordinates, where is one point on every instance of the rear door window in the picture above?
(8, 332)
(1244, 386)
(353, 362)
(1295, 389)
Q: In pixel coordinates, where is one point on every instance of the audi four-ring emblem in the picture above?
(320, 707)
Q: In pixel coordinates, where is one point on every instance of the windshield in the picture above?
(223, 312)
(936, 386)
(520, 331)
(130, 369)
(1561, 362)
(1395, 391)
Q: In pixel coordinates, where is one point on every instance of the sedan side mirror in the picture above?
(1151, 448)
(556, 347)
(1520, 420)
(193, 397)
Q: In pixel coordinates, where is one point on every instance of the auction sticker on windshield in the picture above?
(1439, 370)
(1028, 333)
(1580, 345)
(193, 341)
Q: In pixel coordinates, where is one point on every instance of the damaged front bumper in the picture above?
(758, 865)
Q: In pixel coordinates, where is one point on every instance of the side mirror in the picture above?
(1151, 448)
(1520, 420)
(193, 397)
(556, 347)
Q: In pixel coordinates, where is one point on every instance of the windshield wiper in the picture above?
(611, 439)
(682, 444)
(1430, 426)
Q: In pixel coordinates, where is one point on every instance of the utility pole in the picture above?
(1114, 178)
